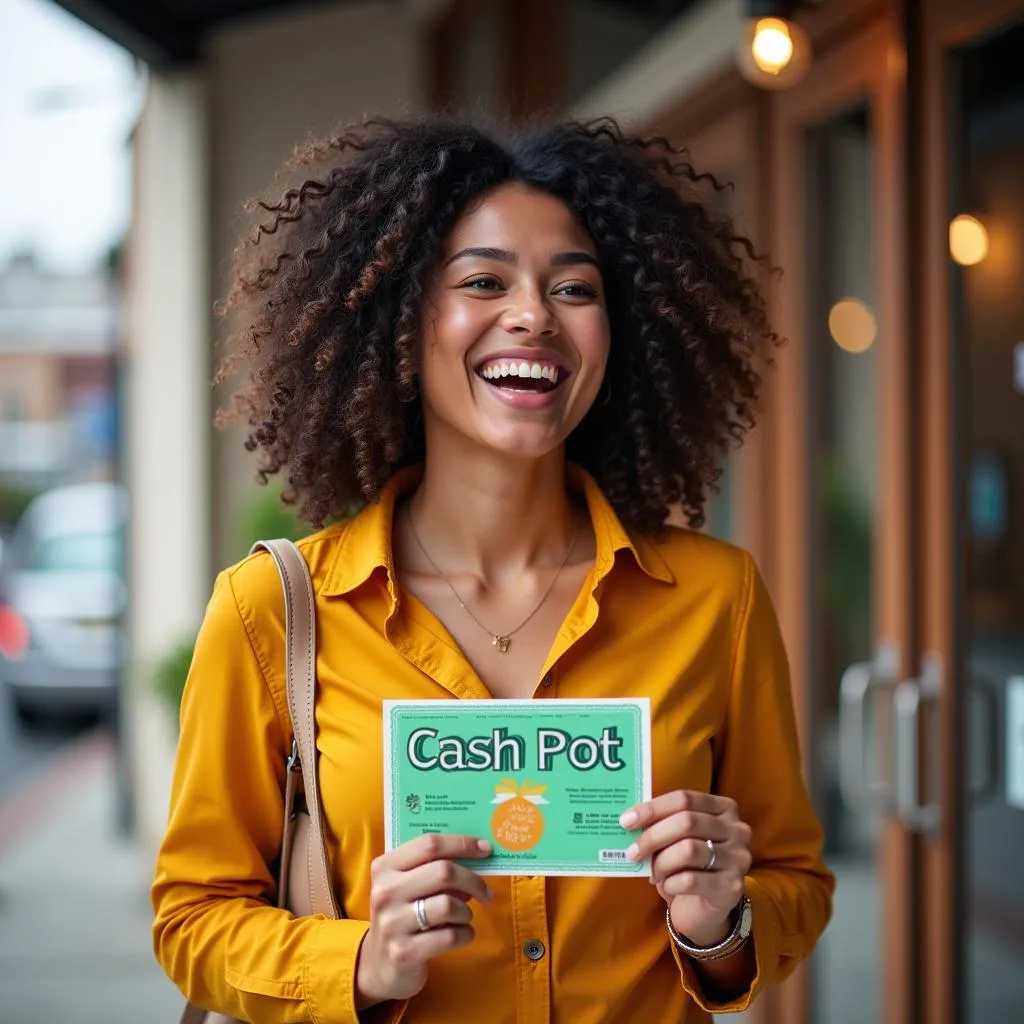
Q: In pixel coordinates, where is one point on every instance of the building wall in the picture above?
(678, 60)
(30, 387)
(597, 37)
(602, 38)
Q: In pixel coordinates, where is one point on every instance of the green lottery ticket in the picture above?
(544, 780)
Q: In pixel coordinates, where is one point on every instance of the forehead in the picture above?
(521, 219)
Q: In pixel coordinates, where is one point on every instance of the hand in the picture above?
(676, 828)
(395, 954)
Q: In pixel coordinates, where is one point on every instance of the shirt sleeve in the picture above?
(216, 932)
(757, 763)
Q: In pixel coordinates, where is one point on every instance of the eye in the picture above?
(482, 284)
(576, 290)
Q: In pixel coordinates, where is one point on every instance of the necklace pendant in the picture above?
(501, 642)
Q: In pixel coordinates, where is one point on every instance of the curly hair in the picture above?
(329, 287)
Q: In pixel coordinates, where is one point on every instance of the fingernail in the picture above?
(628, 820)
(483, 846)
(633, 851)
(489, 893)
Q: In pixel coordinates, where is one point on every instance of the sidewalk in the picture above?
(74, 904)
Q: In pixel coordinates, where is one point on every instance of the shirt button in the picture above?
(534, 949)
(547, 680)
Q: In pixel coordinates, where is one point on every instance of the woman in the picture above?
(516, 357)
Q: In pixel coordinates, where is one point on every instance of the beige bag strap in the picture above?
(300, 682)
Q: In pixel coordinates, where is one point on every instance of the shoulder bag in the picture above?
(303, 885)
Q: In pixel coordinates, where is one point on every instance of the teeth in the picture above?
(535, 371)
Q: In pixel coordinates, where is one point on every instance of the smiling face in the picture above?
(515, 333)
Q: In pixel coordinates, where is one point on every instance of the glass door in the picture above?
(965, 708)
(989, 329)
(842, 443)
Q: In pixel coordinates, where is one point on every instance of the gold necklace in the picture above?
(500, 641)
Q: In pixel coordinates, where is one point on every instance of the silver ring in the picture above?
(420, 906)
(710, 866)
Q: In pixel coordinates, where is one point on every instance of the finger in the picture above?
(688, 855)
(412, 951)
(441, 911)
(430, 847)
(720, 888)
(694, 855)
(441, 876)
(642, 815)
(686, 825)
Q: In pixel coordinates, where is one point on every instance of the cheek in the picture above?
(454, 324)
(455, 327)
(446, 338)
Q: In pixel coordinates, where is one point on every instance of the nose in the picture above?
(529, 313)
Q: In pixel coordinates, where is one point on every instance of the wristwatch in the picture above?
(735, 940)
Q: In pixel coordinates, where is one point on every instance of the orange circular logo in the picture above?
(517, 823)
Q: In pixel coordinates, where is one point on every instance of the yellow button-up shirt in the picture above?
(680, 618)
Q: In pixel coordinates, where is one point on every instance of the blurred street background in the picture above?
(875, 149)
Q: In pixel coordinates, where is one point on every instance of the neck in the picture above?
(493, 517)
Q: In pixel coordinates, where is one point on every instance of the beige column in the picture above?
(167, 430)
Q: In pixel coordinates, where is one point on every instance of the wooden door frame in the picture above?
(869, 65)
(944, 25)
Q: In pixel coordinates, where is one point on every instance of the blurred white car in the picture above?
(62, 599)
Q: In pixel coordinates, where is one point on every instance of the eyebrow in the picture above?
(560, 259)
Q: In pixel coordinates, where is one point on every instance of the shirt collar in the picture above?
(366, 539)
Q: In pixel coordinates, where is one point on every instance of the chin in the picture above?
(521, 447)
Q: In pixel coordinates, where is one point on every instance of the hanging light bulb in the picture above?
(772, 45)
(773, 51)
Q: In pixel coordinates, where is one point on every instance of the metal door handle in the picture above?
(860, 789)
(910, 695)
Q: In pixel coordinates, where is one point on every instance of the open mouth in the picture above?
(523, 375)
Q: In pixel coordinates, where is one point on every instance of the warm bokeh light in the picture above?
(773, 53)
(852, 325)
(968, 240)
(772, 48)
